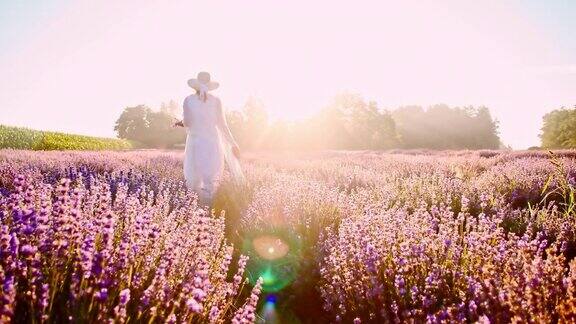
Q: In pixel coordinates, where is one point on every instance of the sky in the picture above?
(73, 66)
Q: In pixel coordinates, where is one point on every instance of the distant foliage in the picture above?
(443, 127)
(350, 123)
(347, 123)
(151, 128)
(559, 129)
(23, 138)
(19, 138)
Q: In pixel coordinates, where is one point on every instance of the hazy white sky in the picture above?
(74, 65)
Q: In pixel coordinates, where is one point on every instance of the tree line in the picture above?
(348, 123)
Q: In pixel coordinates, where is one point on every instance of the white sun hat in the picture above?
(202, 83)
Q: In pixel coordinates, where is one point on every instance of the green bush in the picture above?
(23, 138)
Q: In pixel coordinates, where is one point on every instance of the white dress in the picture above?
(207, 141)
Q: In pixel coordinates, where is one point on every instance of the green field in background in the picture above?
(28, 139)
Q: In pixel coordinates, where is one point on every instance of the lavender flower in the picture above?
(442, 237)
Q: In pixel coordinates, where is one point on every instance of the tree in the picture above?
(413, 131)
(161, 133)
(350, 123)
(444, 127)
(171, 108)
(151, 128)
(485, 130)
(133, 123)
(559, 129)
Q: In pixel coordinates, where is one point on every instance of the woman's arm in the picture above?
(225, 130)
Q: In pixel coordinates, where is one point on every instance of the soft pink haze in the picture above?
(82, 62)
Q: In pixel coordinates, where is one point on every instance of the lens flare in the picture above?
(268, 312)
(270, 247)
(274, 256)
(268, 277)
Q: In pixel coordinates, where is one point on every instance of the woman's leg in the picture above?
(207, 191)
(195, 185)
(212, 171)
(193, 179)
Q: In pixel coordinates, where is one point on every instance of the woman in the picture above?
(209, 140)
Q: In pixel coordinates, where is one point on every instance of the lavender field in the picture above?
(448, 237)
